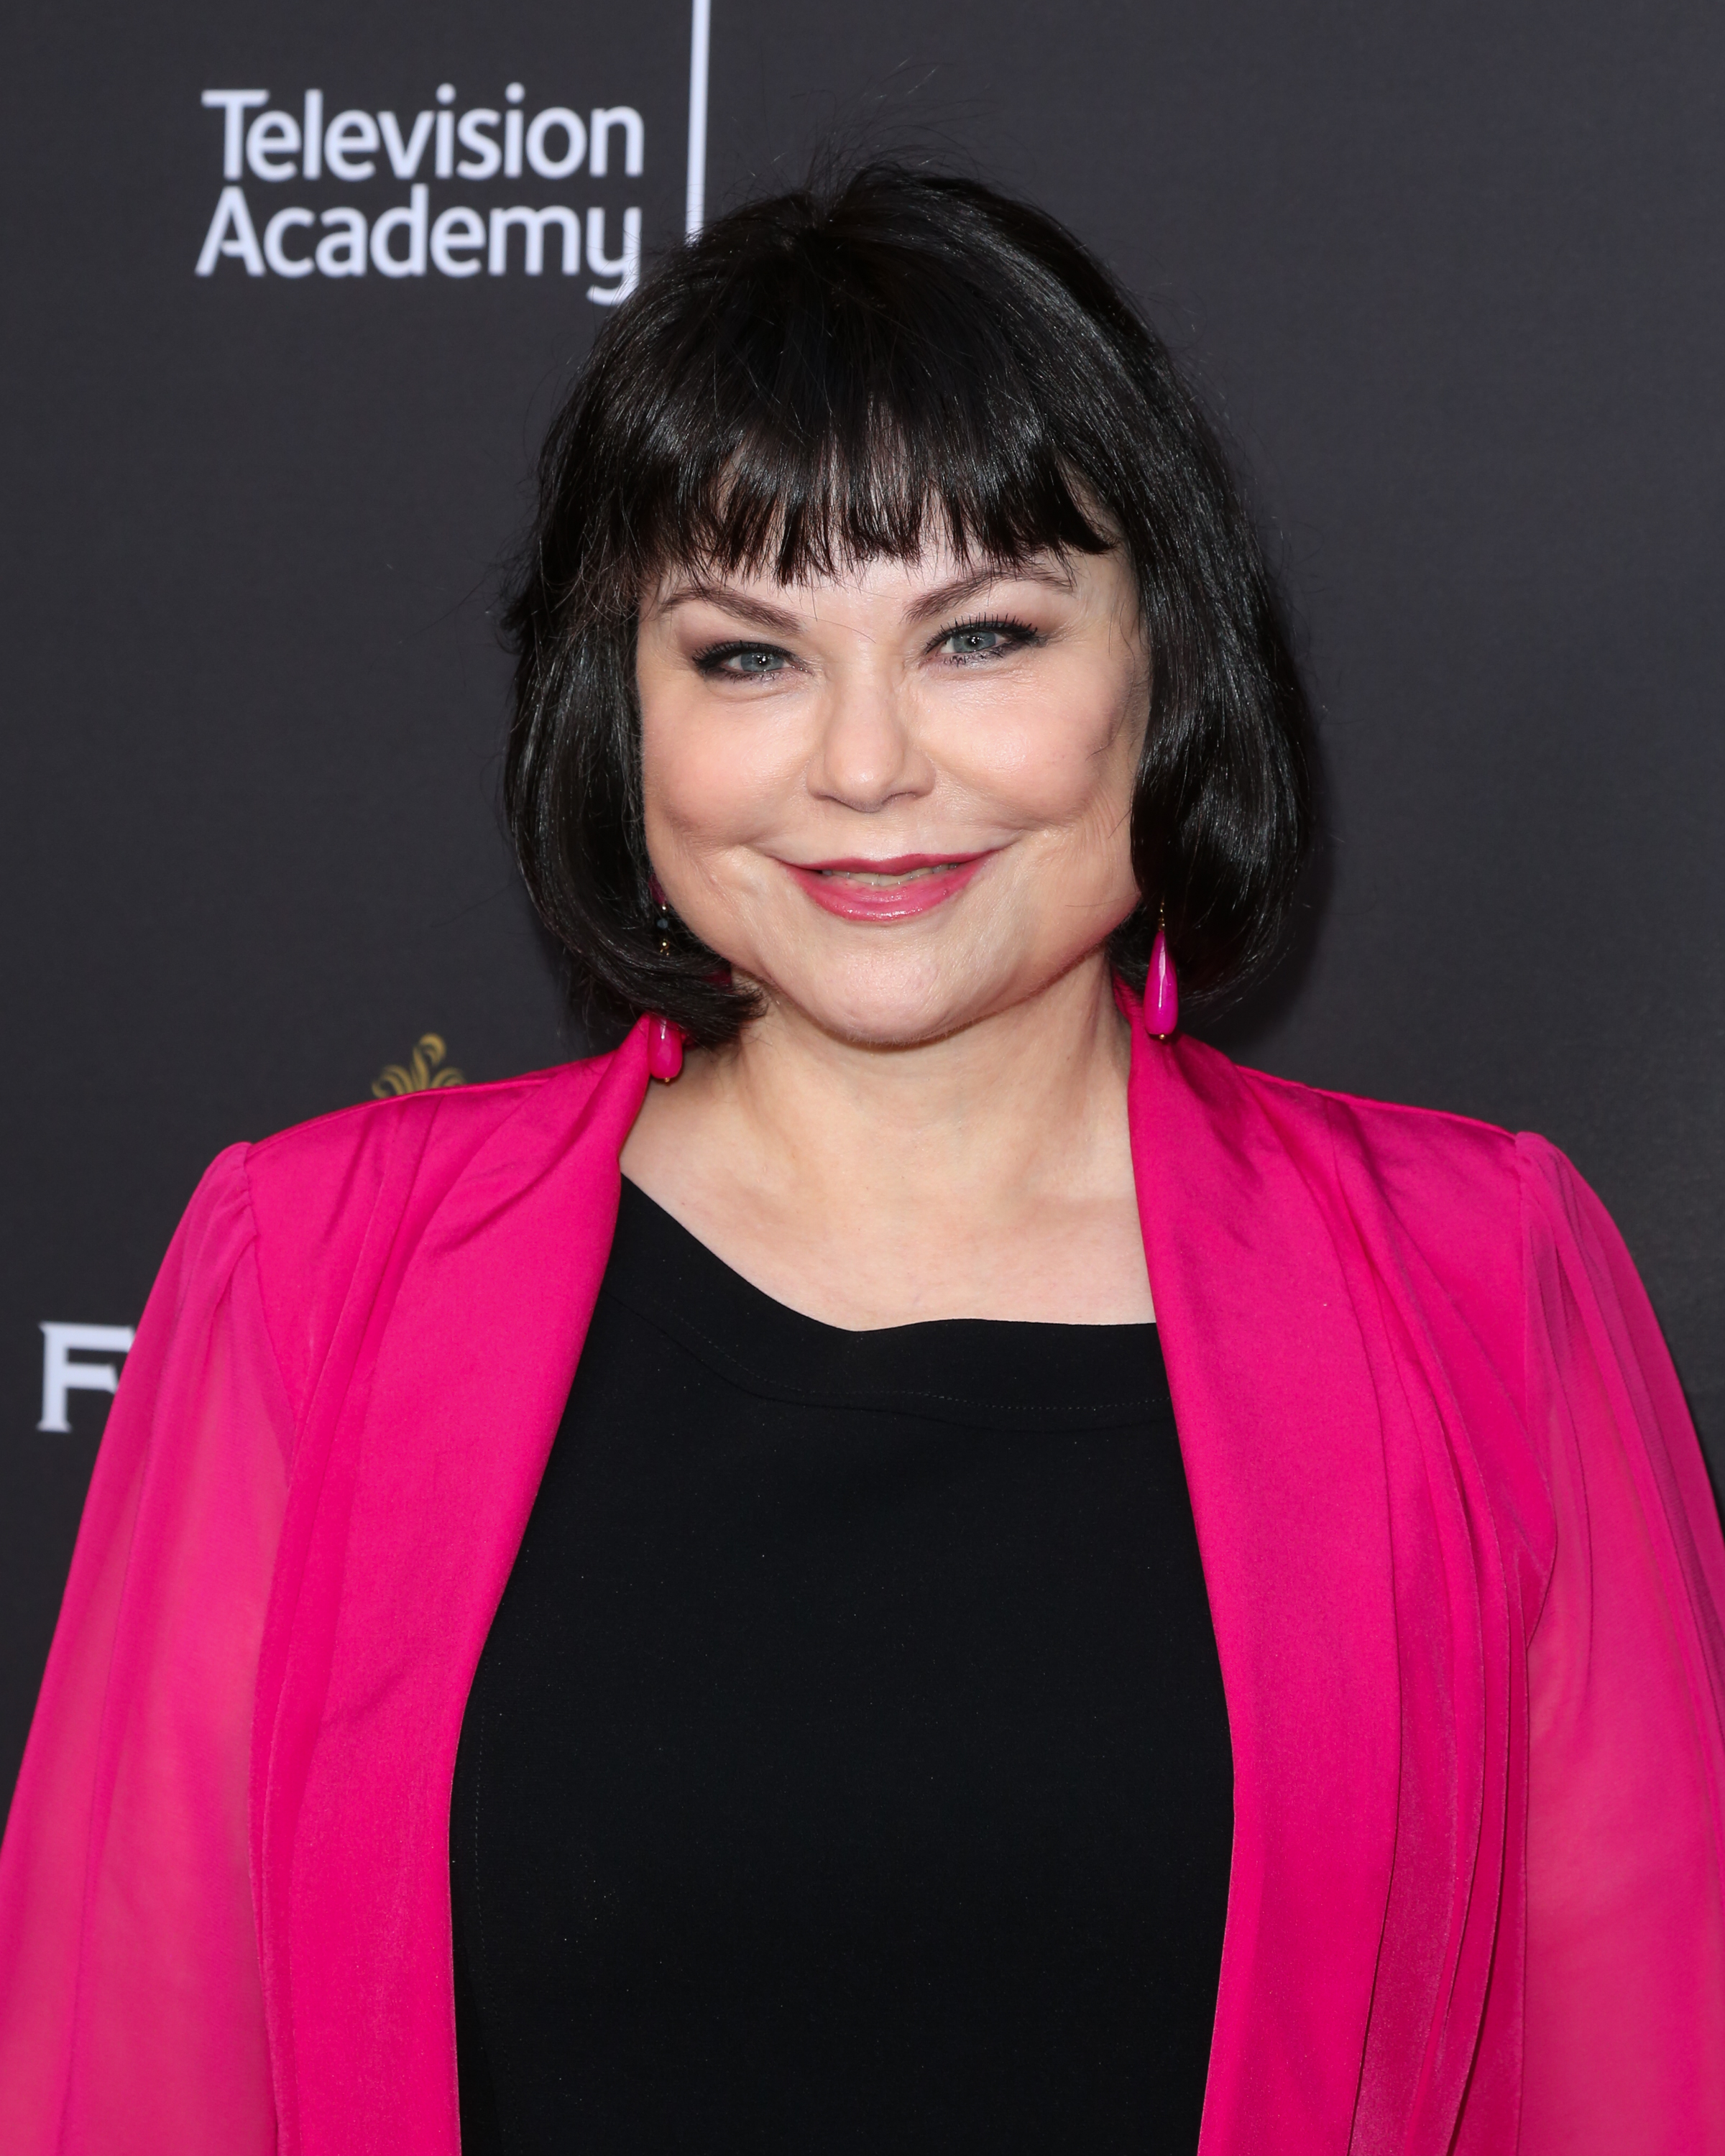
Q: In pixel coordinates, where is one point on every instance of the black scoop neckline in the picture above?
(975, 1371)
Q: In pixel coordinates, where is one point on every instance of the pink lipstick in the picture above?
(894, 890)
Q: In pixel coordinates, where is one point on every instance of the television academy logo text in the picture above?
(271, 145)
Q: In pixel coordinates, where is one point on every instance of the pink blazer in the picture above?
(1465, 1567)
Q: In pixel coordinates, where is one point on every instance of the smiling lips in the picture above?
(887, 890)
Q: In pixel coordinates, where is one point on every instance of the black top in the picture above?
(847, 1772)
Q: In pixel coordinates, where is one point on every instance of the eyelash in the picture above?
(1018, 634)
(711, 660)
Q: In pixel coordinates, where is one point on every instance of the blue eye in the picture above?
(985, 640)
(747, 661)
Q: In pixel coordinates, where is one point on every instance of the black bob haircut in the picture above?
(829, 376)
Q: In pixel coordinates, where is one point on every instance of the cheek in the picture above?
(1061, 753)
(705, 780)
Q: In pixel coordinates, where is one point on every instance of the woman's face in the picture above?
(898, 800)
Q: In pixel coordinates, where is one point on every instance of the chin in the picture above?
(889, 1029)
(896, 1003)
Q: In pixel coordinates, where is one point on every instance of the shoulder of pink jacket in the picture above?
(1462, 1152)
(319, 1189)
(1437, 1173)
(1428, 1206)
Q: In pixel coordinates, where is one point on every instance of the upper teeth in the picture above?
(882, 875)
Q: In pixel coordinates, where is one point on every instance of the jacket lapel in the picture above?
(1283, 1439)
(422, 1454)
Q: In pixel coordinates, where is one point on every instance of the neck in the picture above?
(986, 1174)
(1004, 1106)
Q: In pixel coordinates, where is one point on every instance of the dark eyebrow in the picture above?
(757, 611)
(1048, 569)
(1039, 569)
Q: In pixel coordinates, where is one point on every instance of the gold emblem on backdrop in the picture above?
(424, 1068)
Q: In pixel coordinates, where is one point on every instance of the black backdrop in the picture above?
(1453, 278)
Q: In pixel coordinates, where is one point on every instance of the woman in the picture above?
(630, 1615)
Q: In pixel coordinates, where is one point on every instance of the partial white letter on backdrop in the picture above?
(458, 234)
(404, 157)
(627, 267)
(341, 252)
(534, 223)
(272, 145)
(556, 119)
(413, 219)
(276, 252)
(473, 130)
(61, 1375)
(605, 117)
(235, 103)
(348, 142)
(231, 232)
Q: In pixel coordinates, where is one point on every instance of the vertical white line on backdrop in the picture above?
(699, 28)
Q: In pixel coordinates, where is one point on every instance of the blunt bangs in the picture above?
(847, 373)
(835, 406)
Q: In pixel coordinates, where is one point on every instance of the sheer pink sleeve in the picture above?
(1625, 1968)
(130, 2011)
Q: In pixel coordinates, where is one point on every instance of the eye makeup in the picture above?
(716, 659)
(1016, 635)
(721, 660)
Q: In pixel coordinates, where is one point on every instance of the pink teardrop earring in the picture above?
(665, 1041)
(1161, 991)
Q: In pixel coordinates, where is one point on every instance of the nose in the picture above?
(867, 755)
